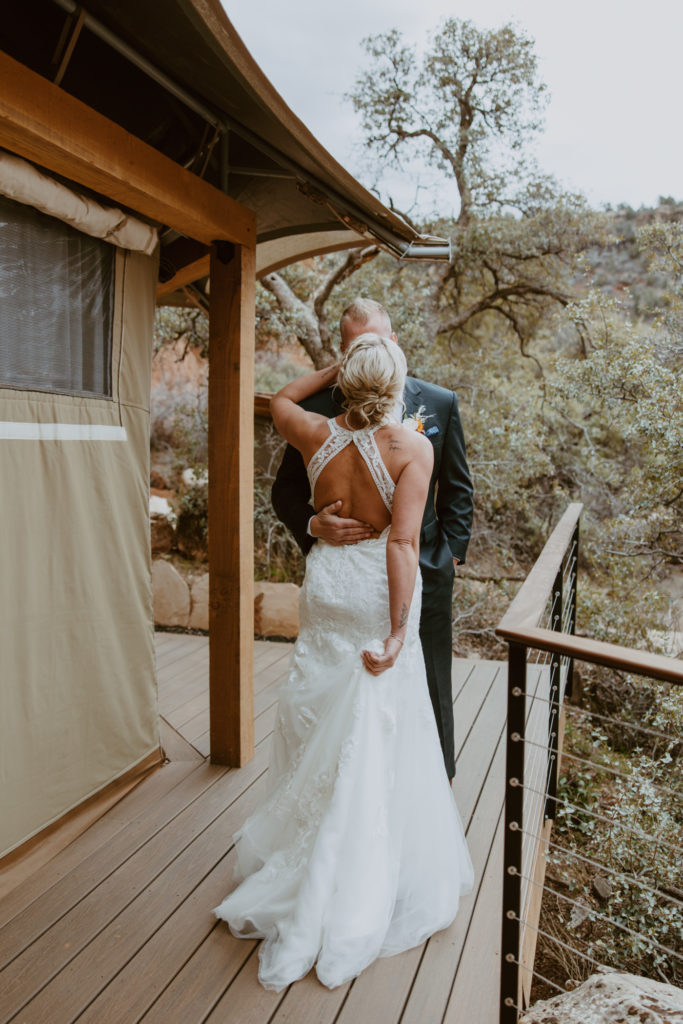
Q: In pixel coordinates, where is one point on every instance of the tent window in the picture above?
(57, 299)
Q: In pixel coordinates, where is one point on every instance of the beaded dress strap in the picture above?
(366, 445)
(330, 447)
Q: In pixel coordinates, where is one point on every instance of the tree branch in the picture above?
(353, 262)
(355, 259)
(306, 325)
(493, 300)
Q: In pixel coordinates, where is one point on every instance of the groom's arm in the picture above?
(290, 495)
(454, 499)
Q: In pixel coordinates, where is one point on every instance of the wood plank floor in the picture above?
(117, 929)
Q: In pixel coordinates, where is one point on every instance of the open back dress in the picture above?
(358, 850)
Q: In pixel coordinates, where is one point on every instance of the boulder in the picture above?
(199, 593)
(276, 609)
(162, 534)
(170, 595)
(610, 998)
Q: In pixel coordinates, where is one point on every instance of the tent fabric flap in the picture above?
(21, 181)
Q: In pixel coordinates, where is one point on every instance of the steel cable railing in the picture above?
(540, 630)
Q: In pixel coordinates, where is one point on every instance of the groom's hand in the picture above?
(331, 527)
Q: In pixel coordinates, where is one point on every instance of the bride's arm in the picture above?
(290, 420)
(403, 551)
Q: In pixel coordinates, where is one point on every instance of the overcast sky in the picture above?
(613, 68)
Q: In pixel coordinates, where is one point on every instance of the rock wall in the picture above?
(612, 998)
(183, 600)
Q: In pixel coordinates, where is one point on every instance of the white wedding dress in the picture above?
(358, 850)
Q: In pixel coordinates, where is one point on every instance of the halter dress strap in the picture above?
(330, 447)
(366, 445)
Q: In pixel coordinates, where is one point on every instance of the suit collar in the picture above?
(411, 395)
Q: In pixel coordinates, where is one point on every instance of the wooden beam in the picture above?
(186, 275)
(231, 488)
(262, 405)
(41, 122)
(597, 652)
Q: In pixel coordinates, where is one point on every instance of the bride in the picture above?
(358, 850)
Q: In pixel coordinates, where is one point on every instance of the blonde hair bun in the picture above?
(371, 378)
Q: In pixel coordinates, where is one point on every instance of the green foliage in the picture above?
(662, 243)
(193, 515)
(272, 372)
(190, 436)
(276, 554)
(630, 825)
(277, 325)
(624, 406)
(172, 323)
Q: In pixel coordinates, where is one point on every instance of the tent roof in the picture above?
(177, 75)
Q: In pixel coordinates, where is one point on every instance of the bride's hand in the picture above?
(378, 663)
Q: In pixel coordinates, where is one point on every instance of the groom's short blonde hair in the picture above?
(361, 310)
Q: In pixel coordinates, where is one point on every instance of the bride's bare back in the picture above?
(347, 478)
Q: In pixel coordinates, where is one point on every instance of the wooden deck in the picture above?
(116, 928)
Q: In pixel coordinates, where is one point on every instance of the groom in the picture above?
(447, 518)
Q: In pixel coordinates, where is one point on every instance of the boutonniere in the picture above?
(417, 420)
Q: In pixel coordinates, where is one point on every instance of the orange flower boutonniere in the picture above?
(417, 420)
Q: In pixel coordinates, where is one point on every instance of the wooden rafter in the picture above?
(42, 123)
(186, 275)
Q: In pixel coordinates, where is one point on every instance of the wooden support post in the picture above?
(231, 523)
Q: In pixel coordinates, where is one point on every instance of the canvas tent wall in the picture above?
(78, 702)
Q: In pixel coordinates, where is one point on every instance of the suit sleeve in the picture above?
(290, 496)
(454, 499)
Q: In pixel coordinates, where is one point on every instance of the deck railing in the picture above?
(539, 628)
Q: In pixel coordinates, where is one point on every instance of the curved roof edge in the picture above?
(295, 147)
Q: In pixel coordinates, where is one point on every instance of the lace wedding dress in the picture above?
(358, 850)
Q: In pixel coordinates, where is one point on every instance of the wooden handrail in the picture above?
(583, 648)
(529, 603)
(262, 404)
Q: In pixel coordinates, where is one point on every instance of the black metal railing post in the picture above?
(573, 584)
(514, 808)
(554, 697)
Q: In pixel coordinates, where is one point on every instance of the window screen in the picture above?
(56, 304)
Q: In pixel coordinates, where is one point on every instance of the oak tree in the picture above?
(470, 106)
